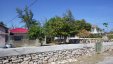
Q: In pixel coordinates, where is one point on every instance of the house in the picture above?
(18, 38)
(3, 35)
(96, 30)
(18, 34)
(76, 39)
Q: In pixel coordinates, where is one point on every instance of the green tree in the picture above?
(53, 27)
(68, 16)
(70, 22)
(69, 27)
(65, 26)
(36, 32)
(82, 24)
(34, 27)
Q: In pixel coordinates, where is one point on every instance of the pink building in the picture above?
(3, 35)
(18, 33)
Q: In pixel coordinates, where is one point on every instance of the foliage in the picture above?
(105, 24)
(65, 26)
(41, 35)
(1, 23)
(83, 33)
(52, 25)
(82, 24)
(68, 16)
(110, 36)
(34, 27)
(60, 26)
(95, 36)
(56, 26)
(36, 32)
(26, 16)
(70, 22)
(33, 32)
(99, 29)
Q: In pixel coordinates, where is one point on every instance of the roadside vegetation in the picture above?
(57, 26)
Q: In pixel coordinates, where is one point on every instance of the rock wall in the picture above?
(57, 54)
(47, 57)
(25, 43)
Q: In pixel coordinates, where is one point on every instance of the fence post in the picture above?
(98, 47)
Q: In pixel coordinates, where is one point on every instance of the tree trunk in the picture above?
(65, 39)
(45, 40)
(60, 40)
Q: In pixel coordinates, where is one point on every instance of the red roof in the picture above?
(19, 30)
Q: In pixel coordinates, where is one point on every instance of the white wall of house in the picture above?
(95, 31)
(2, 40)
(2, 36)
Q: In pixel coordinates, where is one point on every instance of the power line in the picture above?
(28, 8)
(13, 18)
(32, 4)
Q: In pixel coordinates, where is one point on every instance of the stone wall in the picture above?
(57, 54)
(46, 57)
(24, 43)
(107, 46)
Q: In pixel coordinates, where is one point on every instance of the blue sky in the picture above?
(93, 11)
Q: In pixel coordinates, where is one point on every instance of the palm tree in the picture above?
(27, 17)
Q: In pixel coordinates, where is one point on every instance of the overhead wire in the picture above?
(28, 8)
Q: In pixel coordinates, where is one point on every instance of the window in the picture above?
(18, 38)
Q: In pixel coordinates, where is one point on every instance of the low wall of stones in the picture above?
(107, 46)
(56, 54)
(25, 43)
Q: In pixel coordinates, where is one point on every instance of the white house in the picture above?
(96, 30)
